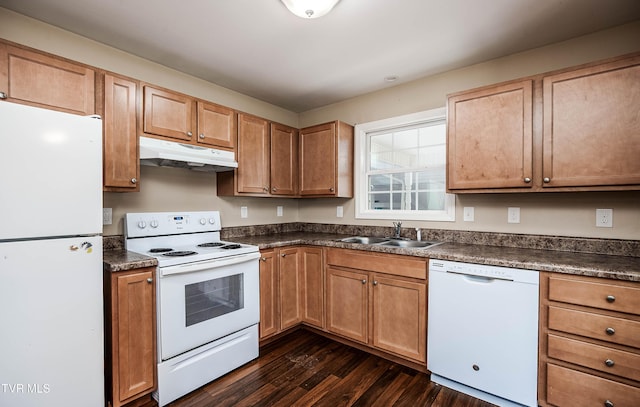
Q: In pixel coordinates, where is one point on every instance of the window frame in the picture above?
(360, 173)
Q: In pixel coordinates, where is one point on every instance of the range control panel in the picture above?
(170, 223)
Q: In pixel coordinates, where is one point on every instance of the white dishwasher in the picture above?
(482, 336)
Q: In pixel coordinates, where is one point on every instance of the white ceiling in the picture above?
(258, 48)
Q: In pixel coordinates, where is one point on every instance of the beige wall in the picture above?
(177, 189)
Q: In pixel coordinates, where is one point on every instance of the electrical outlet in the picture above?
(107, 216)
(279, 210)
(244, 212)
(468, 212)
(604, 218)
(339, 211)
(513, 215)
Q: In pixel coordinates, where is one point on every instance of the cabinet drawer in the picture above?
(382, 263)
(566, 387)
(623, 331)
(609, 296)
(602, 358)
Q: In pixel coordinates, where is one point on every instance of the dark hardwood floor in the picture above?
(306, 369)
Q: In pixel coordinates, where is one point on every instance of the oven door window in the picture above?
(209, 299)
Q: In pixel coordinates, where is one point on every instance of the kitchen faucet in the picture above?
(397, 226)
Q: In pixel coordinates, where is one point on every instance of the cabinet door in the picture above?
(136, 352)
(489, 138)
(347, 303)
(168, 114)
(312, 286)
(284, 160)
(290, 287)
(217, 125)
(269, 311)
(45, 81)
(253, 155)
(400, 317)
(318, 160)
(591, 126)
(120, 140)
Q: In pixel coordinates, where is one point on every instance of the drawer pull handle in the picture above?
(608, 403)
(610, 331)
(610, 298)
(609, 362)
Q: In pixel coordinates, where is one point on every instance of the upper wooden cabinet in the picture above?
(183, 118)
(118, 108)
(592, 126)
(490, 137)
(43, 80)
(267, 160)
(326, 160)
(570, 130)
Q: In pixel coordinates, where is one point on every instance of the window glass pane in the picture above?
(379, 183)
(379, 201)
(209, 299)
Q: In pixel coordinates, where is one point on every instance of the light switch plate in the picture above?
(339, 211)
(513, 215)
(279, 210)
(468, 213)
(244, 212)
(107, 216)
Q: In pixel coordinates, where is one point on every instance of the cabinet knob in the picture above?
(134, 180)
(527, 180)
(149, 280)
(375, 282)
(274, 189)
(611, 298)
(282, 255)
(610, 331)
(609, 362)
(364, 281)
(608, 403)
(189, 134)
(263, 258)
(546, 180)
(332, 189)
(201, 136)
(3, 95)
(265, 189)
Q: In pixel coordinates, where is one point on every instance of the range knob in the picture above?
(142, 224)
(203, 221)
(154, 224)
(212, 221)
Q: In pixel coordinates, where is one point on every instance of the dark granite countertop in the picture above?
(586, 264)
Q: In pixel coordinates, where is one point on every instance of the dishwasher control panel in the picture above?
(482, 270)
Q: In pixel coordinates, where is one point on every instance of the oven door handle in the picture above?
(208, 264)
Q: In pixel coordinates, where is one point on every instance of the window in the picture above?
(401, 168)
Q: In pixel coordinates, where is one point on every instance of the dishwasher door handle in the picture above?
(477, 278)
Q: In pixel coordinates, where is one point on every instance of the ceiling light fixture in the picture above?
(310, 8)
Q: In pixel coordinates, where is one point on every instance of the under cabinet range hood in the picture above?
(162, 153)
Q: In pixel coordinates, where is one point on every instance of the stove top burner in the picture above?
(180, 253)
(211, 244)
(231, 246)
(160, 250)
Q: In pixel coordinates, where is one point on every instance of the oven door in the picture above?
(202, 302)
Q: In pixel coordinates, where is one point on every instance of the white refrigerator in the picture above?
(51, 298)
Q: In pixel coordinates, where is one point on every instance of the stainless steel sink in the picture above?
(364, 239)
(409, 243)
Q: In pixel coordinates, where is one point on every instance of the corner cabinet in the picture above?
(46, 81)
(589, 342)
(326, 160)
(118, 107)
(379, 300)
(570, 130)
(130, 345)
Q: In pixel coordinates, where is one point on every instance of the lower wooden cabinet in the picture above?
(130, 345)
(368, 305)
(589, 342)
(291, 289)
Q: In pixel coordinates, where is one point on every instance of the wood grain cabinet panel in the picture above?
(591, 126)
(46, 81)
(217, 126)
(597, 293)
(312, 281)
(490, 137)
(347, 303)
(284, 160)
(269, 301)
(168, 114)
(130, 340)
(252, 174)
(290, 287)
(120, 134)
(326, 160)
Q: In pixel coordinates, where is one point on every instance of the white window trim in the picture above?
(362, 212)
